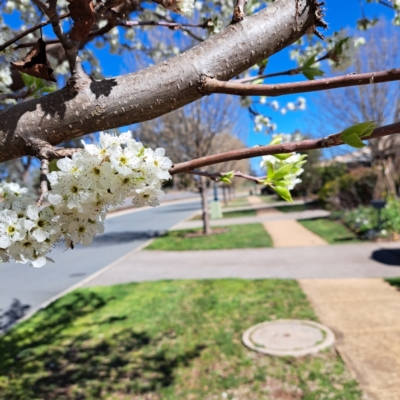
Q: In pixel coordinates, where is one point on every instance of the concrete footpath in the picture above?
(339, 261)
(364, 314)
(269, 216)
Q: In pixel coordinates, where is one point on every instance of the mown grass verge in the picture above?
(334, 232)
(169, 340)
(233, 237)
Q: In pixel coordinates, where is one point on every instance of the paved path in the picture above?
(289, 233)
(365, 315)
(257, 219)
(336, 261)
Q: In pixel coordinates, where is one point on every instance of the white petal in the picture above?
(33, 212)
(28, 224)
(39, 262)
(55, 199)
(39, 235)
(4, 241)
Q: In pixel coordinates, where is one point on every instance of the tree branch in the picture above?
(44, 183)
(217, 175)
(311, 144)
(238, 12)
(86, 105)
(212, 85)
(292, 71)
(27, 32)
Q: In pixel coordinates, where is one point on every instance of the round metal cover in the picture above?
(288, 337)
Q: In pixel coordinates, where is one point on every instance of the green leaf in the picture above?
(311, 73)
(283, 157)
(276, 140)
(310, 61)
(271, 172)
(283, 171)
(262, 64)
(353, 140)
(284, 193)
(48, 89)
(225, 179)
(352, 135)
(27, 79)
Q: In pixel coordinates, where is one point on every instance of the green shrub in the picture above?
(349, 190)
(364, 220)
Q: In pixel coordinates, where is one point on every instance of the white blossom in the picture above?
(81, 191)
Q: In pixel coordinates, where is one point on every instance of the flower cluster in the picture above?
(81, 192)
(184, 7)
(342, 50)
(8, 52)
(283, 170)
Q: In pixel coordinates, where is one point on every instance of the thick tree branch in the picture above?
(312, 144)
(86, 106)
(212, 85)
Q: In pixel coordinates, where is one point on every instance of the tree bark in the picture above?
(86, 105)
(204, 206)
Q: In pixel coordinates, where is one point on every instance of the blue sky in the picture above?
(339, 14)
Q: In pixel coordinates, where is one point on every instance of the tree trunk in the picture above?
(204, 205)
(224, 193)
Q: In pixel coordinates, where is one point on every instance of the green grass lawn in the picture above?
(394, 282)
(333, 232)
(236, 202)
(231, 214)
(236, 237)
(169, 340)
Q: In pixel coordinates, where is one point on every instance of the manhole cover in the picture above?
(288, 337)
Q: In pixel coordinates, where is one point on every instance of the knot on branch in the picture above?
(330, 141)
(45, 151)
(238, 15)
(319, 16)
(202, 84)
(79, 79)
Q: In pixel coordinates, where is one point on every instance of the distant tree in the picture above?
(380, 103)
(198, 130)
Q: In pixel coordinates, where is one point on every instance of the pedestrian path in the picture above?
(289, 233)
(364, 313)
(254, 220)
(335, 262)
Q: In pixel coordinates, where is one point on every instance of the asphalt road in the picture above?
(123, 233)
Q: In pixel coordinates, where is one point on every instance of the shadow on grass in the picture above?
(112, 238)
(54, 362)
(387, 256)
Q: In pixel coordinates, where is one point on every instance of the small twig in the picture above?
(311, 144)
(27, 32)
(385, 4)
(238, 12)
(217, 175)
(16, 96)
(188, 31)
(173, 25)
(126, 24)
(293, 71)
(210, 85)
(44, 183)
